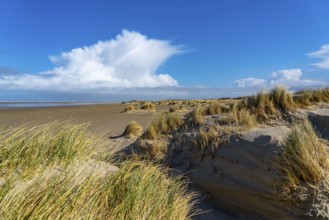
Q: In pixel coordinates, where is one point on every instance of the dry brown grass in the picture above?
(245, 119)
(163, 125)
(133, 130)
(213, 109)
(282, 98)
(309, 97)
(196, 116)
(269, 104)
(304, 158)
(262, 106)
(148, 106)
(179, 108)
(130, 108)
(153, 149)
(205, 138)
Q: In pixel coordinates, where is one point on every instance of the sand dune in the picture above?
(236, 179)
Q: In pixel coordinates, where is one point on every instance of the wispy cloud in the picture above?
(285, 77)
(323, 55)
(130, 60)
(249, 82)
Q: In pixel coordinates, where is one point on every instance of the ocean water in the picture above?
(39, 104)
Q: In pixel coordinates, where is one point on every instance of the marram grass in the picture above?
(26, 149)
(138, 190)
(42, 178)
(304, 159)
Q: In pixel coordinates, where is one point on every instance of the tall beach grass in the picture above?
(43, 177)
(304, 158)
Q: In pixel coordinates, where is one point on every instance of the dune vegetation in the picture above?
(61, 171)
(163, 125)
(130, 108)
(133, 130)
(148, 106)
(42, 178)
(304, 158)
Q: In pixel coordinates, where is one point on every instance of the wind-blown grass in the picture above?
(41, 178)
(195, 117)
(267, 104)
(213, 109)
(138, 190)
(148, 106)
(304, 158)
(133, 129)
(309, 97)
(24, 149)
(130, 108)
(163, 125)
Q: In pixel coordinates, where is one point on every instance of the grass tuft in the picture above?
(205, 138)
(308, 97)
(281, 98)
(269, 104)
(154, 150)
(148, 106)
(304, 158)
(196, 117)
(133, 130)
(245, 118)
(130, 108)
(213, 109)
(163, 125)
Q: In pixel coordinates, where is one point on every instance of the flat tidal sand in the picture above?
(105, 119)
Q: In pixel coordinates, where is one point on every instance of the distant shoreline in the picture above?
(24, 104)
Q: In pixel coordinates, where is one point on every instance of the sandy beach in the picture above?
(108, 119)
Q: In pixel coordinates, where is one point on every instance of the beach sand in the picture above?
(107, 119)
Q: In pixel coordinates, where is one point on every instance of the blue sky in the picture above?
(45, 45)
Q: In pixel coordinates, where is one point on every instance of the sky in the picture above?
(117, 50)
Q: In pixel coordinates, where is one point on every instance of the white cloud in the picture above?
(323, 54)
(128, 61)
(249, 82)
(285, 77)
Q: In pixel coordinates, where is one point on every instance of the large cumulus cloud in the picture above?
(130, 60)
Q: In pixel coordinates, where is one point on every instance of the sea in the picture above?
(42, 104)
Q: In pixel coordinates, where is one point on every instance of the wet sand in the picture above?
(103, 118)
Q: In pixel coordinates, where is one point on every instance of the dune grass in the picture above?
(205, 138)
(130, 108)
(154, 150)
(179, 108)
(24, 149)
(148, 106)
(138, 190)
(245, 118)
(282, 98)
(133, 130)
(163, 125)
(213, 109)
(311, 96)
(304, 158)
(41, 179)
(195, 117)
(267, 104)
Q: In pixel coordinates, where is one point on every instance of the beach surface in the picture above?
(107, 119)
